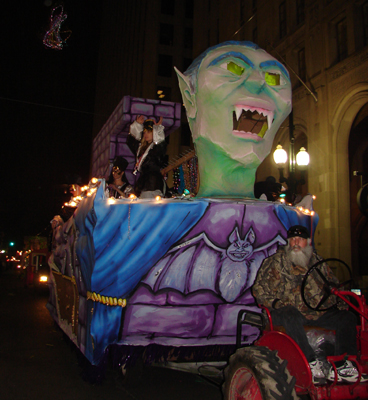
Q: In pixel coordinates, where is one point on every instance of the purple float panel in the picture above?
(111, 140)
(208, 275)
(194, 321)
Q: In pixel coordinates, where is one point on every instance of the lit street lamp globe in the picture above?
(302, 158)
(280, 155)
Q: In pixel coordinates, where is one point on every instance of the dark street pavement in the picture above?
(36, 362)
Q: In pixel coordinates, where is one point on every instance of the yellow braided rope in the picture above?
(109, 301)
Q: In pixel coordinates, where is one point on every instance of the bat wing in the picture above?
(271, 247)
(187, 267)
(260, 253)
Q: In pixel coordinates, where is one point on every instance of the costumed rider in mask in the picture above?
(118, 185)
(146, 140)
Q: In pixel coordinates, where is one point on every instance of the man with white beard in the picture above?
(278, 287)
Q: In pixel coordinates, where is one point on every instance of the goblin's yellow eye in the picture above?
(234, 68)
(272, 79)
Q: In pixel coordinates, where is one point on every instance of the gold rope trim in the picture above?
(109, 301)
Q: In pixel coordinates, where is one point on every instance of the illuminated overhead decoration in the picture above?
(53, 37)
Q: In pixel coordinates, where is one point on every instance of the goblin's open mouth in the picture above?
(251, 120)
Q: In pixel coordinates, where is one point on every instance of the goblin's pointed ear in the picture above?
(186, 92)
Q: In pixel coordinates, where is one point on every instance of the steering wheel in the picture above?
(315, 274)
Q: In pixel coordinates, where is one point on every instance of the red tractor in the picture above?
(274, 367)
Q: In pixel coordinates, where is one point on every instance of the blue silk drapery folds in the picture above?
(85, 221)
(118, 244)
(130, 238)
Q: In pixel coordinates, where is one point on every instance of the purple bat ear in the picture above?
(234, 236)
(251, 237)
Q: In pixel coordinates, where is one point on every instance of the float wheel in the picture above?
(258, 373)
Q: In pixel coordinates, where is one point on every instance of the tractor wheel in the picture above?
(258, 373)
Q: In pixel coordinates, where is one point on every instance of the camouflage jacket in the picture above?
(279, 281)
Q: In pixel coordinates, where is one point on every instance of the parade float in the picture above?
(169, 276)
(33, 262)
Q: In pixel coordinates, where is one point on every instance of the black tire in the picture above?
(258, 373)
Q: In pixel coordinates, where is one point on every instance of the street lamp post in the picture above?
(280, 157)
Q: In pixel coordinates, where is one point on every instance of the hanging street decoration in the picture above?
(53, 37)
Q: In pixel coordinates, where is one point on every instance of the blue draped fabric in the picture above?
(104, 330)
(118, 244)
(130, 237)
(85, 221)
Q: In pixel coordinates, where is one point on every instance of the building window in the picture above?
(163, 93)
(365, 22)
(301, 65)
(167, 34)
(300, 11)
(282, 19)
(189, 9)
(341, 39)
(164, 65)
(168, 7)
(188, 38)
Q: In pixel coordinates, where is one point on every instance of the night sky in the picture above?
(46, 112)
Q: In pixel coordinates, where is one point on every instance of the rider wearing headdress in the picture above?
(146, 140)
(118, 184)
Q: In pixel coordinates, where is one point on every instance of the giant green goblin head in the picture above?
(236, 96)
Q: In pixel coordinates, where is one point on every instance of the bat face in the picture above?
(239, 251)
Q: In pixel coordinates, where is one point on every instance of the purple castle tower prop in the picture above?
(111, 140)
